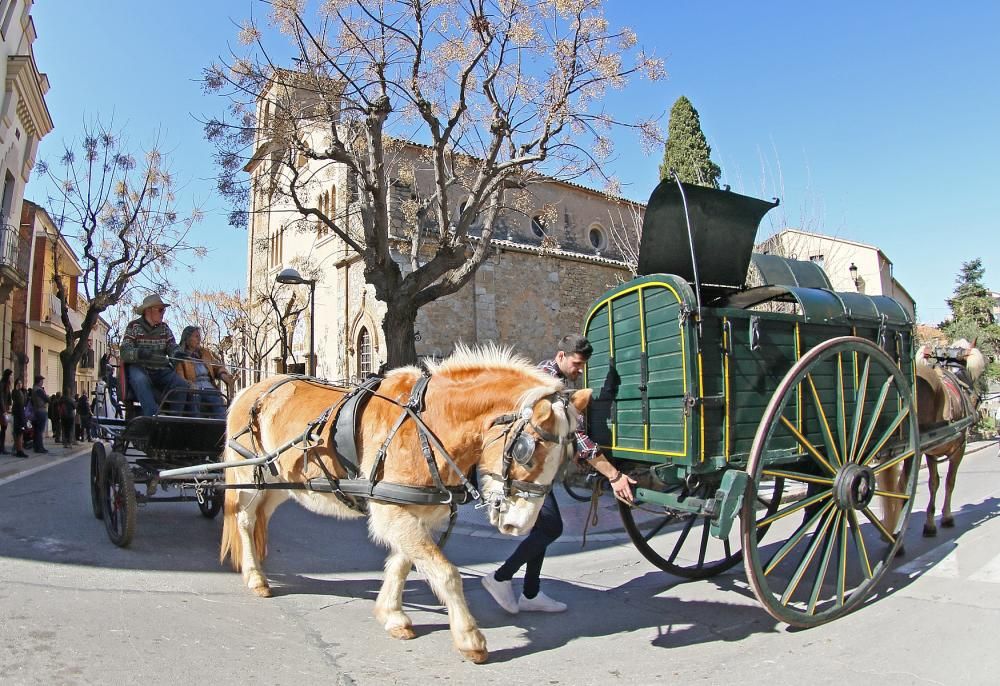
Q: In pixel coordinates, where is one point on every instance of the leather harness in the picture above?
(343, 418)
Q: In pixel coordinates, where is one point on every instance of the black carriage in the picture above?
(144, 451)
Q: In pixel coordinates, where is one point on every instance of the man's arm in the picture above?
(621, 483)
(129, 348)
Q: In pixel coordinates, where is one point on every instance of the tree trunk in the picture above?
(398, 328)
(69, 375)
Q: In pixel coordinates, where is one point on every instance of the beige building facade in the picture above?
(24, 121)
(39, 307)
(850, 266)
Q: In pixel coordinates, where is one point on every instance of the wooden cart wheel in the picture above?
(838, 430)
(212, 504)
(118, 499)
(97, 458)
(681, 543)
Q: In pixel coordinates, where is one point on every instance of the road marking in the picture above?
(940, 562)
(41, 467)
(990, 572)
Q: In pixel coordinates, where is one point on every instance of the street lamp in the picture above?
(853, 269)
(293, 278)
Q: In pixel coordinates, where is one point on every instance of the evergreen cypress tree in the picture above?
(972, 300)
(686, 150)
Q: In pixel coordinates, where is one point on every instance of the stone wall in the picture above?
(527, 300)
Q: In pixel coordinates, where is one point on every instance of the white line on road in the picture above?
(989, 573)
(41, 467)
(940, 561)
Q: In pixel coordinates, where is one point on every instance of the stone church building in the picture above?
(537, 284)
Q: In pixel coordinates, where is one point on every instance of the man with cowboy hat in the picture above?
(146, 346)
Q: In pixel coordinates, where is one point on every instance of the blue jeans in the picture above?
(144, 380)
(39, 421)
(207, 402)
(531, 552)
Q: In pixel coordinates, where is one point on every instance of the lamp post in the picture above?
(853, 269)
(293, 278)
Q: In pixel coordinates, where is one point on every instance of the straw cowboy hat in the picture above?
(153, 300)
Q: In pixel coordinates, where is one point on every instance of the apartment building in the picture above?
(24, 121)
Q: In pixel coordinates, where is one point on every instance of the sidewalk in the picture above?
(11, 467)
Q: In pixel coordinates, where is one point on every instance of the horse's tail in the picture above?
(232, 545)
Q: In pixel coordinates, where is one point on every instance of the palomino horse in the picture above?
(946, 395)
(471, 401)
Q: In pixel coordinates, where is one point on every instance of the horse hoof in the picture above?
(402, 633)
(262, 591)
(947, 522)
(930, 531)
(476, 656)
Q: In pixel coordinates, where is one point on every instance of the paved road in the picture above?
(75, 609)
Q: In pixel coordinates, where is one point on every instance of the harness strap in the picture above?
(345, 424)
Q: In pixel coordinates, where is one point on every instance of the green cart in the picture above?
(773, 425)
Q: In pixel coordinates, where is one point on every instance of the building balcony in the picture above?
(15, 252)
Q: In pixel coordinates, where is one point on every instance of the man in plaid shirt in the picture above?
(571, 357)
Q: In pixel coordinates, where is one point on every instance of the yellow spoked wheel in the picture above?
(840, 431)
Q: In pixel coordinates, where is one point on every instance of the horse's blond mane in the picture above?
(488, 356)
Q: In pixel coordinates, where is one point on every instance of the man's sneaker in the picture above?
(540, 603)
(502, 592)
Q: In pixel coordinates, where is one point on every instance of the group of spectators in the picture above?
(27, 413)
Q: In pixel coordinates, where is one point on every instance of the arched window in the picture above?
(327, 205)
(598, 238)
(538, 226)
(366, 356)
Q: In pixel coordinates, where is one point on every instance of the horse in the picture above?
(484, 409)
(946, 393)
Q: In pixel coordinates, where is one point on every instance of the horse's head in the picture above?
(972, 357)
(522, 456)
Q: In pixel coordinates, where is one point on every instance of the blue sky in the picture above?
(880, 116)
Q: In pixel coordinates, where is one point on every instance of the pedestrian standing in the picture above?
(19, 406)
(55, 415)
(6, 387)
(40, 403)
(83, 418)
(68, 411)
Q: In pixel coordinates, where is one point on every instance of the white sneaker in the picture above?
(502, 592)
(540, 603)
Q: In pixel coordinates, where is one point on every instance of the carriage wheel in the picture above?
(681, 543)
(97, 459)
(837, 429)
(576, 483)
(212, 503)
(118, 496)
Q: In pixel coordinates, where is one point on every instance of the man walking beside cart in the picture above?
(146, 345)
(571, 357)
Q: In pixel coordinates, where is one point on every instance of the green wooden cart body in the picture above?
(684, 389)
(787, 405)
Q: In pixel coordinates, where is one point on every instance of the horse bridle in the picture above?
(519, 447)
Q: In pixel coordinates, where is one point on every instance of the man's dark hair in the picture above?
(574, 343)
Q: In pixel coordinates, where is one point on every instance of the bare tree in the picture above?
(500, 94)
(120, 213)
(625, 220)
